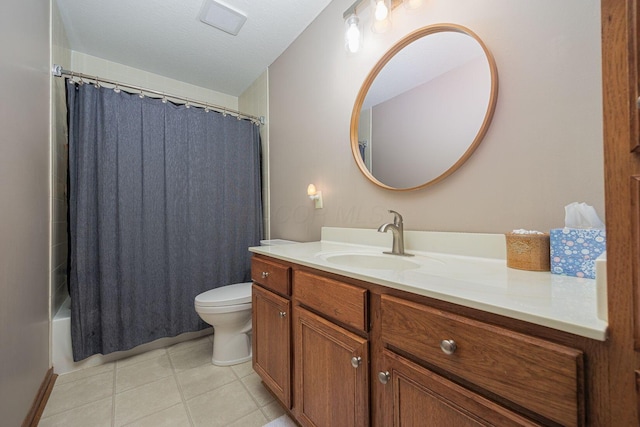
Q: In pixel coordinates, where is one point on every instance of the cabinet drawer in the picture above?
(538, 375)
(271, 275)
(337, 300)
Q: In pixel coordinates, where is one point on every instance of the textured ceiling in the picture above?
(165, 37)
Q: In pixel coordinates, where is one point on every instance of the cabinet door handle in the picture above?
(283, 314)
(356, 361)
(448, 346)
(384, 377)
(265, 274)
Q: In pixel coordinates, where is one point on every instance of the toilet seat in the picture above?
(225, 296)
(203, 309)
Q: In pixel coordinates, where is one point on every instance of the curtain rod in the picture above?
(58, 71)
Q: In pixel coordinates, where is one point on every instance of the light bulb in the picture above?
(412, 4)
(352, 36)
(381, 11)
(382, 15)
(315, 195)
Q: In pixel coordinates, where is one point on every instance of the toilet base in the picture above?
(231, 349)
(230, 362)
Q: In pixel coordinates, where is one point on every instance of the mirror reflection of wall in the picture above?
(364, 137)
(426, 107)
(435, 122)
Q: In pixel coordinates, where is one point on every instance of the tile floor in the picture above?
(174, 386)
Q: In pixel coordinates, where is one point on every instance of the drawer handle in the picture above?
(283, 314)
(356, 361)
(265, 274)
(384, 377)
(448, 346)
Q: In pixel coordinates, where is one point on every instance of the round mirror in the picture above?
(424, 108)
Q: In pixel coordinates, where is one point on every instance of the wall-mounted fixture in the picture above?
(381, 12)
(315, 195)
(222, 17)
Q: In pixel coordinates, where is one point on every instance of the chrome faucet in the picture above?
(397, 229)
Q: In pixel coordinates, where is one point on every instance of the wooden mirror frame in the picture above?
(411, 37)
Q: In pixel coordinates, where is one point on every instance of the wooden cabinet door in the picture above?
(415, 396)
(331, 373)
(271, 342)
(621, 126)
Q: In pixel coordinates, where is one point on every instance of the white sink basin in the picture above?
(373, 261)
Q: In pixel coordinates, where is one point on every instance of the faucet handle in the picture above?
(397, 218)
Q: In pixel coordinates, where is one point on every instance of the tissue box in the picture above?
(574, 251)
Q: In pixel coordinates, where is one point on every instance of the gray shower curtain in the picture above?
(163, 202)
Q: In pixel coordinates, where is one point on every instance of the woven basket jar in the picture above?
(528, 251)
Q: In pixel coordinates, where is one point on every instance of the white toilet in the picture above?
(228, 310)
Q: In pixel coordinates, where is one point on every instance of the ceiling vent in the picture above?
(222, 17)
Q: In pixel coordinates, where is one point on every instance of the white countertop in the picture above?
(564, 303)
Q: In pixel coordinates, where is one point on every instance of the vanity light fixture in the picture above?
(381, 14)
(315, 195)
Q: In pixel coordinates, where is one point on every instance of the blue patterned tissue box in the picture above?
(574, 251)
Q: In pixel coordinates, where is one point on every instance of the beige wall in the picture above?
(24, 191)
(542, 151)
(94, 66)
(255, 101)
(61, 55)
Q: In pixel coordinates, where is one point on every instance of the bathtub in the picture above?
(62, 357)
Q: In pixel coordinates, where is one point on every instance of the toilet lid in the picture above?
(240, 293)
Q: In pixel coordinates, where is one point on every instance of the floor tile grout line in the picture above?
(113, 394)
(83, 377)
(260, 407)
(133, 422)
(116, 373)
(252, 397)
(182, 402)
(182, 398)
(73, 408)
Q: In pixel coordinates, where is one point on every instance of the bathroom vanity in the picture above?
(344, 335)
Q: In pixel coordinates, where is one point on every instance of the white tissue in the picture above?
(523, 231)
(581, 215)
